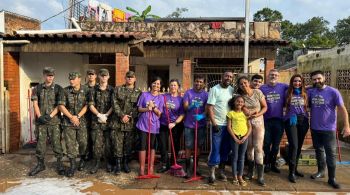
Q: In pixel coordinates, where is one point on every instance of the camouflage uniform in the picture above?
(47, 98)
(74, 101)
(101, 100)
(88, 116)
(123, 135)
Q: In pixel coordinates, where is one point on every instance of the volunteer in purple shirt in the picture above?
(325, 101)
(151, 105)
(296, 122)
(195, 98)
(273, 119)
(175, 112)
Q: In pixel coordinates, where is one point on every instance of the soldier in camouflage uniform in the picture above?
(100, 105)
(124, 120)
(91, 83)
(73, 104)
(45, 97)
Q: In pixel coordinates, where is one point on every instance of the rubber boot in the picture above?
(250, 173)
(126, 167)
(222, 175)
(267, 164)
(40, 166)
(60, 167)
(96, 166)
(211, 179)
(273, 164)
(331, 178)
(165, 166)
(291, 176)
(189, 167)
(117, 168)
(71, 170)
(142, 159)
(260, 169)
(320, 171)
(82, 163)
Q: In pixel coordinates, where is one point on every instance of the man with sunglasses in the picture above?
(124, 103)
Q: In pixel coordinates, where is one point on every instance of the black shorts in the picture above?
(143, 136)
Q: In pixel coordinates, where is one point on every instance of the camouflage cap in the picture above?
(103, 72)
(130, 74)
(90, 71)
(73, 75)
(49, 71)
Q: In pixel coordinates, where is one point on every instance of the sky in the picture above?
(297, 11)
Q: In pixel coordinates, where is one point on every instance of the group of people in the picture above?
(99, 120)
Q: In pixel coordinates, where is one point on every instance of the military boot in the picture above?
(109, 166)
(60, 167)
(38, 168)
(126, 167)
(250, 173)
(117, 168)
(71, 170)
(96, 166)
(82, 163)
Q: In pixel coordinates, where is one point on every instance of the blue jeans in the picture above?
(238, 155)
(220, 146)
(273, 136)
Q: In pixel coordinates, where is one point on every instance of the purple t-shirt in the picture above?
(191, 96)
(323, 104)
(175, 109)
(275, 98)
(143, 121)
(296, 107)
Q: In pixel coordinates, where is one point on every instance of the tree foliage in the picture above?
(267, 14)
(143, 16)
(342, 31)
(177, 13)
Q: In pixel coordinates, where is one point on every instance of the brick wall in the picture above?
(270, 64)
(11, 70)
(121, 67)
(17, 22)
(186, 74)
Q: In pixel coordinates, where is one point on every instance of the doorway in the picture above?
(160, 71)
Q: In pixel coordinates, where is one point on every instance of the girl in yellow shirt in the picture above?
(239, 129)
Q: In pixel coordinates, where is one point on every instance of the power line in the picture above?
(61, 12)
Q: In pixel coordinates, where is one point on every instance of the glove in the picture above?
(44, 119)
(293, 120)
(216, 128)
(199, 117)
(102, 118)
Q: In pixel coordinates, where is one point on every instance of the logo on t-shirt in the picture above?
(318, 100)
(170, 104)
(273, 97)
(197, 102)
(297, 101)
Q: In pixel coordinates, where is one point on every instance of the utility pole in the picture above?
(246, 38)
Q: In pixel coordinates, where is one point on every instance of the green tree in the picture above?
(141, 17)
(267, 15)
(177, 13)
(342, 31)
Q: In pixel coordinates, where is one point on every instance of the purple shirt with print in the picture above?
(275, 98)
(175, 109)
(323, 103)
(143, 121)
(191, 96)
(296, 106)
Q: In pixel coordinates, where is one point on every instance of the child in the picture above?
(239, 129)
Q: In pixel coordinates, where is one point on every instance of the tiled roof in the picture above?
(220, 40)
(79, 35)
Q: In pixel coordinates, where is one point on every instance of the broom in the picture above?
(149, 175)
(176, 169)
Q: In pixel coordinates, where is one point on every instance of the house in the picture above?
(169, 48)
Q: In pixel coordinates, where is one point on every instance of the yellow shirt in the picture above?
(238, 122)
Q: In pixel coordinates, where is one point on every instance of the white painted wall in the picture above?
(31, 66)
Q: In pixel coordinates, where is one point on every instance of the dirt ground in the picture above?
(15, 167)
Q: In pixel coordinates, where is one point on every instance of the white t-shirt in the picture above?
(219, 97)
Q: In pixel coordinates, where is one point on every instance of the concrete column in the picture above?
(186, 74)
